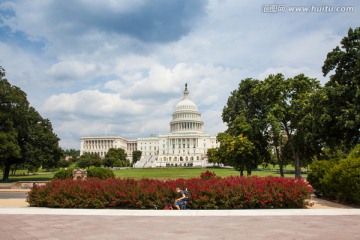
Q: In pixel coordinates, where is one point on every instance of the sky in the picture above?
(118, 67)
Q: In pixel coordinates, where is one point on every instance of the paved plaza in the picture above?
(326, 220)
(126, 224)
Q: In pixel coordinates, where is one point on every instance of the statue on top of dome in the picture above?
(185, 86)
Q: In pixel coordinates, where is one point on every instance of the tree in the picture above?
(236, 152)
(343, 92)
(26, 138)
(42, 145)
(136, 156)
(286, 99)
(109, 162)
(213, 155)
(245, 114)
(117, 156)
(73, 153)
(89, 159)
(271, 115)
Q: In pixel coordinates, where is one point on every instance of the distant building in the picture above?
(185, 145)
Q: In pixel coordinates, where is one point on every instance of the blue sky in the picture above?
(119, 66)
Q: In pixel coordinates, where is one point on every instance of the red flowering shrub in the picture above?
(207, 175)
(214, 193)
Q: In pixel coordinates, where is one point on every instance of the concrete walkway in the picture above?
(325, 220)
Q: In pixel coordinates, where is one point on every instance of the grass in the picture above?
(35, 177)
(156, 173)
(173, 173)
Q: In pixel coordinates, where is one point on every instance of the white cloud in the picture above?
(70, 70)
(84, 75)
(91, 103)
(114, 85)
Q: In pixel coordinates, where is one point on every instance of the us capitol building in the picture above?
(185, 146)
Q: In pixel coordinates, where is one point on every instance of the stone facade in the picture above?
(185, 145)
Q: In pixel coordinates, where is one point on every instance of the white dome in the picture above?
(186, 104)
(186, 117)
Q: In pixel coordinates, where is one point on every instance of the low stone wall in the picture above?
(28, 184)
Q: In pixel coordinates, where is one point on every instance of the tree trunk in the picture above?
(280, 161)
(297, 166)
(294, 153)
(6, 172)
(281, 166)
(241, 173)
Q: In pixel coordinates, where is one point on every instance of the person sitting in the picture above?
(180, 201)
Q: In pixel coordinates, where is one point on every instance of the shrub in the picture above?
(89, 159)
(109, 162)
(318, 172)
(99, 172)
(63, 174)
(355, 152)
(214, 193)
(63, 163)
(97, 162)
(83, 163)
(342, 181)
(338, 179)
(207, 175)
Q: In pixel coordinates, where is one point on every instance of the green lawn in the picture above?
(173, 173)
(156, 173)
(36, 177)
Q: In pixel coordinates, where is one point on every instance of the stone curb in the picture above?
(185, 213)
(14, 190)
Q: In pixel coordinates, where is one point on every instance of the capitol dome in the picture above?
(186, 117)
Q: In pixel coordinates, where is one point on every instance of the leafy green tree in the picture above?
(236, 152)
(63, 163)
(9, 148)
(26, 138)
(89, 159)
(213, 155)
(271, 115)
(117, 156)
(342, 109)
(109, 162)
(41, 147)
(136, 156)
(83, 162)
(73, 153)
(245, 114)
(286, 99)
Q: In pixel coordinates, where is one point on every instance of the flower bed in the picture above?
(206, 193)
